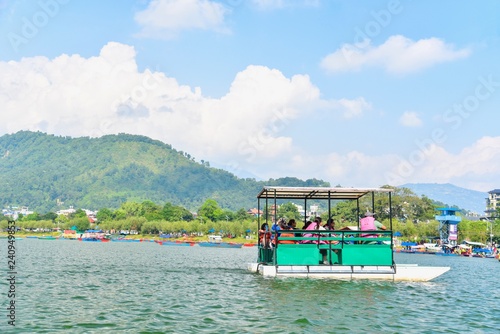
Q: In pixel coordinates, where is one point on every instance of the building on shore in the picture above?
(492, 203)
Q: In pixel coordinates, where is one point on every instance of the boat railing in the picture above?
(333, 235)
(341, 247)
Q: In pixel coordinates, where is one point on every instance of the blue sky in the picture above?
(357, 93)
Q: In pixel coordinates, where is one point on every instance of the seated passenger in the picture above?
(368, 223)
(306, 225)
(286, 235)
(316, 225)
(264, 235)
(277, 226)
(330, 224)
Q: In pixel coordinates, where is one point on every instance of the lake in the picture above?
(86, 287)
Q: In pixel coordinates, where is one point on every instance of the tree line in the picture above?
(412, 216)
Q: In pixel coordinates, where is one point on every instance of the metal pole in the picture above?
(390, 209)
(258, 212)
(491, 235)
(258, 222)
(305, 210)
(329, 206)
(275, 208)
(357, 207)
(491, 232)
(373, 201)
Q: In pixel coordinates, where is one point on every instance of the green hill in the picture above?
(39, 170)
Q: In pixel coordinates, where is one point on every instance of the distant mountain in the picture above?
(47, 173)
(450, 195)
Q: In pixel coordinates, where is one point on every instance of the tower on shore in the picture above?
(448, 225)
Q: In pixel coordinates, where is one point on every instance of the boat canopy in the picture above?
(334, 193)
(408, 243)
(215, 238)
(321, 193)
(471, 243)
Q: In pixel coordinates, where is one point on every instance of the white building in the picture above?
(492, 203)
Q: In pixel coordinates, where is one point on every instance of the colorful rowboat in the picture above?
(220, 244)
(47, 237)
(177, 243)
(216, 241)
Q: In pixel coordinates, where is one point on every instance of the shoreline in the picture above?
(145, 237)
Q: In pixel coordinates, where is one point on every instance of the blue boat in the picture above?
(125, 240)
(220, 245)
(446, 254)
(47, 237)
(91, 240)
(94, 236)
(175, 243)
(216, 241)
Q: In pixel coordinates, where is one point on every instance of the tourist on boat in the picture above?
(330, 224)
(306, 225)
(277, 227)
(264, 235)
(292, 224)
(286, 234)
(369, 223)
(316, 225)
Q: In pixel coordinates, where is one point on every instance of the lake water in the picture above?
(85, 287)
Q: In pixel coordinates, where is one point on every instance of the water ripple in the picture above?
(67, 286)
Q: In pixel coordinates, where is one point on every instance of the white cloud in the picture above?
(353, 108)
(410, 119)
(245, 130)
(475, 167)
(279, 4)
(269, 4)
(397, 55)
(164, 19)
(76, 96)
(468, 168)
(480, 158)
(357, 169)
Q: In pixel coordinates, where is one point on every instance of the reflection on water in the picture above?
(83, 287)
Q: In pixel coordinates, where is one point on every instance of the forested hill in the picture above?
(39, 170)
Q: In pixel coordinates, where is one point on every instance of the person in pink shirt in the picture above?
(369, 223)
(316, 225)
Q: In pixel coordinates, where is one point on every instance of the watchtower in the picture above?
(448, 225)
